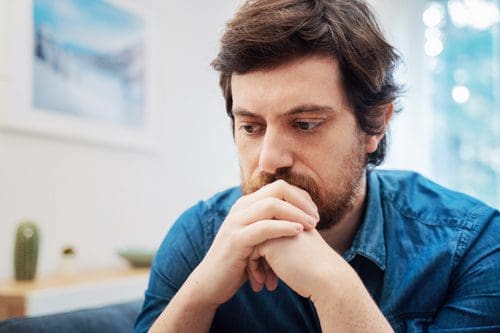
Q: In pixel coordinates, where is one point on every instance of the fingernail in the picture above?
(313, 211)
(312, 221)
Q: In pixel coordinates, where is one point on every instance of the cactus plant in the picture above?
(26, 251)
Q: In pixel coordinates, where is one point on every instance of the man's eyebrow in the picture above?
(306, 108)
(243, 113)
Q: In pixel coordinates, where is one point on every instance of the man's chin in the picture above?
(333, 216)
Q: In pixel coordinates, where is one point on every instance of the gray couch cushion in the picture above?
(107, 319)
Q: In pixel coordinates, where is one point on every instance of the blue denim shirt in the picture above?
(430, 258)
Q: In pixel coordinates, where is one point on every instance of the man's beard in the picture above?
(332, 204)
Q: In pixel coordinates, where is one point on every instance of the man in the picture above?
(316, 239)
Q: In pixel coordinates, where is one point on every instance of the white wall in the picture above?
(100, 199)
(411, 130)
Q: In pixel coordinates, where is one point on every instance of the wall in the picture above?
(100, 199)
(410, 136)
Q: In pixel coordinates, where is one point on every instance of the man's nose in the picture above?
(275, 152)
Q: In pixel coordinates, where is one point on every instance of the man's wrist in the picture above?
(190, 310)
(333, 282)
(344, 304)
(198, 291)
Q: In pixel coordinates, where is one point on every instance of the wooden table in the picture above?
(66, 293)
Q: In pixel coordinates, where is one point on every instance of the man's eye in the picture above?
(307, 126)
(250, 128)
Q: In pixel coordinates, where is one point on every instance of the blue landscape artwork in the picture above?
(89, 61)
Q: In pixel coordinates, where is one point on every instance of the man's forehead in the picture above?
(308, 84)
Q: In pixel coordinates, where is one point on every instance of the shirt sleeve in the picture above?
(473, 302)
(180, 252)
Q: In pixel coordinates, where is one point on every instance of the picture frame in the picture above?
(80, 71)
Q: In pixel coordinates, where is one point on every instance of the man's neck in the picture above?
(341, 234)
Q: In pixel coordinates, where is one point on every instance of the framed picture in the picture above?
(80, 70)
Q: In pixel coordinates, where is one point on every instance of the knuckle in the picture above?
(278, 186)
(280, 183)
(238, 204)
(233, 217)
(270, 203)
(231, 220)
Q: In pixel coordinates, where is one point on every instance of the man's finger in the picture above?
(282, 191)
(271, 278)
(261, 231)
(273, 208)
(256, 285)
(255, 269)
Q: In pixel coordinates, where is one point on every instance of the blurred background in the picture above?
(99, 196)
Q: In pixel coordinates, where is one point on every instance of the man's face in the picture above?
(292, 123)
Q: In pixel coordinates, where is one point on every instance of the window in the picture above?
(462, 44)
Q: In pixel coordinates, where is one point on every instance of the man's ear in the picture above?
(371, 141)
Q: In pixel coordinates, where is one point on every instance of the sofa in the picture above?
(107, 319)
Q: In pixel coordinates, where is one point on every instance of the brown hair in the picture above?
(267, 33)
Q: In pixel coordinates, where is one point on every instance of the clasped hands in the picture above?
(267, 234)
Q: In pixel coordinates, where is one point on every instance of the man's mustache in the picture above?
(304, 182)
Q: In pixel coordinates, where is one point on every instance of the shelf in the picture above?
(67, 293)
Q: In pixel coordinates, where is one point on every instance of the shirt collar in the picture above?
(369, 241)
